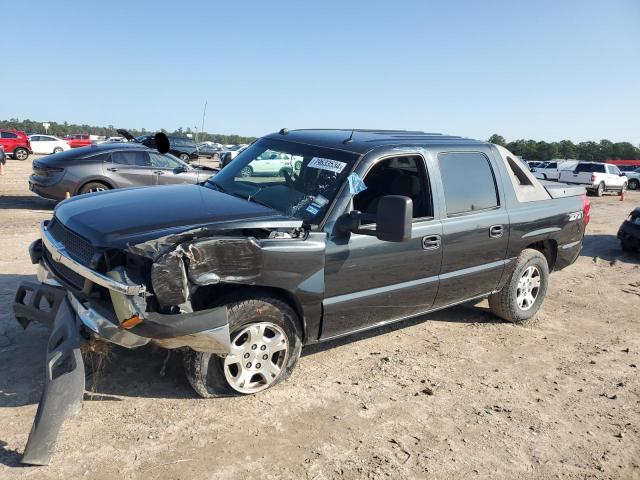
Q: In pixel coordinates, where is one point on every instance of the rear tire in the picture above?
(57, 150)
(184, 157)
(93, 187)
(600, 190)
(213, 376)
(21, 154)
(524, 292)
(246, 172)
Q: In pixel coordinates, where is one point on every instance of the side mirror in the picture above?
(180, 169)
(393, 220)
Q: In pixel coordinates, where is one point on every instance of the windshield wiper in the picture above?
(217, 186)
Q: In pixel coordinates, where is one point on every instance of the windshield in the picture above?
(297, 180)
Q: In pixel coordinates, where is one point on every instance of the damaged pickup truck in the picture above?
(243, 270)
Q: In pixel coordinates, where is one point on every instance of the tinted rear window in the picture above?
(590, 167)
(469, 183)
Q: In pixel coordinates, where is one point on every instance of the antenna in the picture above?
(350, 139)
(204, 112)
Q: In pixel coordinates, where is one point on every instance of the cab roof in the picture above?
(363, 141)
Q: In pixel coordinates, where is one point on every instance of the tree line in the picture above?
(589, 151)
(65, 128)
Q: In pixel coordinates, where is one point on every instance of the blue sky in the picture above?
(526, 69)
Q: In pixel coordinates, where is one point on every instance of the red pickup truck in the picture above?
(78, 140)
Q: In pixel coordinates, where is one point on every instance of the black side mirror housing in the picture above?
(393, 220)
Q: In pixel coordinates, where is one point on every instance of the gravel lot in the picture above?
(455, 394)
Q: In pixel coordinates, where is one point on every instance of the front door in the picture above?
(369, 281)
(475, 227)
(130, 168)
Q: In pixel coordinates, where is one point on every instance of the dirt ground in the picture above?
(455, 394)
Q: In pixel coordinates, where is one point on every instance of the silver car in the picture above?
(108, 166)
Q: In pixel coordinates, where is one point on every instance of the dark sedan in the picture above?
(629, 233)
(108, 166)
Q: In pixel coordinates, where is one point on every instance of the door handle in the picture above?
(112, 169)
(495, 231)
(431, 242)
(159, 172)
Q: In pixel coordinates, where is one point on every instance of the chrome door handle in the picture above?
(495, 231)
(112, 169)
(431, 242)
(159, 172)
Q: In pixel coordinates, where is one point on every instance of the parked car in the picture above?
(209, 151)
(634, 179)
(551, 170)
(629, 232)
(47, 144)
(15, 143)
(241, 272)
(227, 155)
(596, 177)
(535, 164)
(78, 140)
(112, 140)
(272, 163)
(109, 166)
(182, 147)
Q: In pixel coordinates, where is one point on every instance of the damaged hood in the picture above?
(118, 218)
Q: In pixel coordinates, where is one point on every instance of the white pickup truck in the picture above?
(596, 177)
(551, 170)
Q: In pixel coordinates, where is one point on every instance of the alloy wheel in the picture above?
(259, 352)
(528, 287)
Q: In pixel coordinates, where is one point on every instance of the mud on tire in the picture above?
(206, 371)
(505, 303)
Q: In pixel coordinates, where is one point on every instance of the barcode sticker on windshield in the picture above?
(327, 164)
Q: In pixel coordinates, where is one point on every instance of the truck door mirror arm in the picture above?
(392, 220)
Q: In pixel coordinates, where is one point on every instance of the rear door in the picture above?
(9, 140)
(475, 226)
(37, 144)
(130, 168)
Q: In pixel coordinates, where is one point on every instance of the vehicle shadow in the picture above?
(607, 248)
(8, 457)
(25, 202)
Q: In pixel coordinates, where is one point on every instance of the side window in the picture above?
(396, 176)
(469, 183)
(134, 159)
(552, 165)
(163, 161)
(615, 170)
(36, 138)
(8, 135)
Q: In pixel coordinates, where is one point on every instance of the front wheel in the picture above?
(634, 184)
(624, 188)
(184, 157)
(57, 150)
(20, 154)
(246, 171)
(266, 342)
(522, 296)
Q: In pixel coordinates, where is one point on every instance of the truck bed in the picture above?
(560, 190)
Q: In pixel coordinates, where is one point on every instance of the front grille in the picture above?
(64, 273)
(78, 247)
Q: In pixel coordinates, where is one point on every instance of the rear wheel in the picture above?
(634, 184)
(184, 157)
(600, 190)
(266, 341)
(246, 172)
(21, 153)
(57, 150)
(624, 188)
(93, 187)
(521, 297)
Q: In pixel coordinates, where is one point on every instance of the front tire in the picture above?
(21, 154)
(184, 157)
(524, 292)
(246, 172)
(634, 184)
(57, 150)
(266, 341)
(623, 189)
